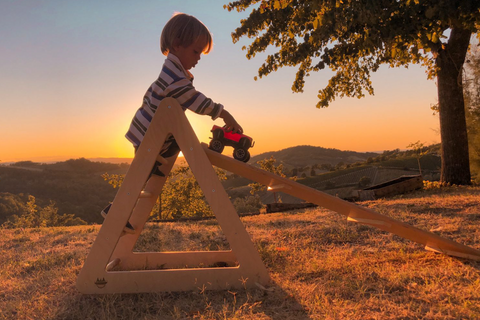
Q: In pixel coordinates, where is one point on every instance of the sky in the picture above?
(73, 73)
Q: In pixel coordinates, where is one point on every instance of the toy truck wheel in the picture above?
(241, 154)
(218, 134)
(245, 143)
(216, 145)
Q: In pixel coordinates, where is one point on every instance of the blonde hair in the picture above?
(183, 29)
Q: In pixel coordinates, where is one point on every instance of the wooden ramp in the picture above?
(112, 266)
(352, 211)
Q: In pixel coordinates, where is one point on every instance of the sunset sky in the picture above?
(73, 73)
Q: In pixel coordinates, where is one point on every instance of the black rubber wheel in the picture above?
(216, 145)
(218, 134)
(245, 143)
(241, 154)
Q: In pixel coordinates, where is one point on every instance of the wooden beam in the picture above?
(162, 160)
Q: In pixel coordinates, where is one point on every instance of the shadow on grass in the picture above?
(272, 303)
(475, 264)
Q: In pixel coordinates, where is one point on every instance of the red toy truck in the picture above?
(240, 143)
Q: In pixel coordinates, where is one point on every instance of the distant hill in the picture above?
(347, 168)
(104, 160)
(291, 157)
(76, 186)
(309, 155)
(112, 160)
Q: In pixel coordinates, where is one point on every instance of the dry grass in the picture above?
(322, 268)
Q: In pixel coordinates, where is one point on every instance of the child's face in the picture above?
(189, 56)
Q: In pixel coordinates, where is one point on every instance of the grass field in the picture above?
(322, 267)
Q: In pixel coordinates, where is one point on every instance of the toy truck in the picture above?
(240, 143)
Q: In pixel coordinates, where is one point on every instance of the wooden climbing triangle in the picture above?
(112, 266)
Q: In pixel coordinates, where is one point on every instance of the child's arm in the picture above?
(230, 122)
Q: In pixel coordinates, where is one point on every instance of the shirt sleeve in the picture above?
(189, 98)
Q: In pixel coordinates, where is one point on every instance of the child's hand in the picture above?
(230, 123)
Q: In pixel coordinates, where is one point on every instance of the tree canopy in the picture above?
(354, 37)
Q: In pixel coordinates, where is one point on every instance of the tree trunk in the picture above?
(453, 127)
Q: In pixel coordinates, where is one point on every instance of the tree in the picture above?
(326, 166)
(353, 38)
(294, 172)
(364, 182)
(269, 166)
(418, 151)
(340, 165)
(472, 106)
(248, 204)
(115, 180)
(181, 195)
(11, 204)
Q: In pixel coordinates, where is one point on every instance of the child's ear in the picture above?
(176, 43)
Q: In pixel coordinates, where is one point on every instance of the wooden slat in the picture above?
(112, 264)
(171, 260)
(162, 160)
(452, 253)
(145, 194)
(128, 231)
(368, 221)
(278, 187)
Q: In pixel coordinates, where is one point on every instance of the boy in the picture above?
(184, 38)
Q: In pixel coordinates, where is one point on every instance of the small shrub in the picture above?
(430, 185)
(36, 217)
(364, 182)
(248, 204)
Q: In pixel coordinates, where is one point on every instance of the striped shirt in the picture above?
(174, 81)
